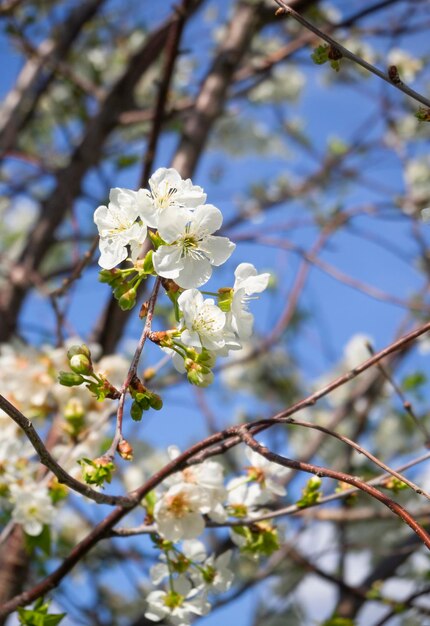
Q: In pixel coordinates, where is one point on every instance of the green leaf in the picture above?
(414, 381)
(97, 472)
(39, 616)
(136, 411)
(320, 54)
(310, 493)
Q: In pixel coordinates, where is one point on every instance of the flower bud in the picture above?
(111, 277)
(225, 298)
(206, 358)
(128, 299)
(155, 401)
(136, 411)
(82, 349)
(81, 364)
(148, 267)
(125, 450)
(70, 379)
(200, 376)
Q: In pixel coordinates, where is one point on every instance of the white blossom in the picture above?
(203, 321)
(243, 496)
(209, 478)
(178, 606)
(268, 475)
(191, 249)
(169, 191)
(118, 226)
(247, 283)
(213, 574)
(32, 507)
(178, 513)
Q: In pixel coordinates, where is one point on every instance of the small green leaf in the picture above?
(126, 160)
(39, 616)
(414, 381)
(320, 54)
(310, 493)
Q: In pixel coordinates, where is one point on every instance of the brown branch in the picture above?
(317, 470)
(49, 462)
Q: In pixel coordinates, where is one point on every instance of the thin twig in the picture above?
(132, 370)
(353, 57)
(406, 404)
(77, 271)
(317, 470)
(294, 422)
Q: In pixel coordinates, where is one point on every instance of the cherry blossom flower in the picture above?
(32, 507)
(168, 191)
(213, 574)
(247, 283)
(268, 475)
(178, 513)
(203, 322)
(178, 605)
(243, 498)
(118, 227)
(209, 477)
(191, 249)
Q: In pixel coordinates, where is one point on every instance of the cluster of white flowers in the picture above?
(199, 576)
(182, 502)
(182, 226)
(28, 379)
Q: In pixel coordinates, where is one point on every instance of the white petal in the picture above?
(103, 220)
(248, 279)
(167, 261)
(194, 273)
(158, 572)
(194, 550)
(206, 219)
(219, 249)
(33, 527)
(147, 210)
(172, 223)
(112, 253)
(191, 338)
(189, 303)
